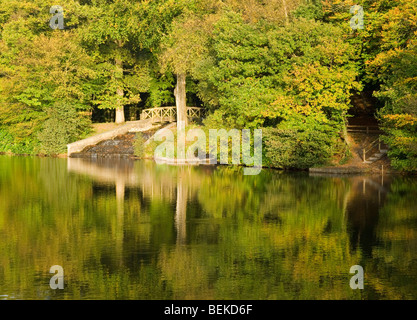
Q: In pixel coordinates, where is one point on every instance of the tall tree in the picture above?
(40, 68)
(183, 48)
(186, 46)
(123, 36)
(110, 35)
(395, 68)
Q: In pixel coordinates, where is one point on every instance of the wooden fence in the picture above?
(169, 114)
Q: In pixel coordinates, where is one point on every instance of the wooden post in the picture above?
(382, 177)
(364, 155)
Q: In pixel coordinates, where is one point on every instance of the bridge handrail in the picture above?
(371, 147)
(363, 128)
(169, 113)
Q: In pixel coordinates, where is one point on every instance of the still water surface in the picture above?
(135, 230)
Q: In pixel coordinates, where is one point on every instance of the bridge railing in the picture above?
(363, 128)
(169, 114)
(377, 144)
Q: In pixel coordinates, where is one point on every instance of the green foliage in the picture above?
(296, 77)
(253, 64)
(253, 240)
(9, 144)
(347, 156)
(6, 141)
(186, 44)
(311, 10)
(395, 68)
(121, 36)
(65, 125)
(297, 148)
(401, 137)
(161, 91)
(39, 70)
(139, 145)
(275, 73)
(385, 54)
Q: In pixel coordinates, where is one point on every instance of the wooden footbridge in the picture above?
(149, 119)
(169, 114)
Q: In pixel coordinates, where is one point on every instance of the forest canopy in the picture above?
(290, 67)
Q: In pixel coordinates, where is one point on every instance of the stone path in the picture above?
(130, 127)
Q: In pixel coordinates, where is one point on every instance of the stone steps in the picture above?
(130, 127)
(376, 156)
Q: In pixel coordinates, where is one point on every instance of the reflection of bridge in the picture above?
(169, 114)
(122, 173)
(172, 184)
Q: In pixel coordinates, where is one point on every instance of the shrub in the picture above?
(9, 144)
(6, 141)
(139, 145)
(401, 137)
(65, 125)
(296, 149)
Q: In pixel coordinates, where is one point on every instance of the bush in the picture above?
(296, 149)
(401, 136)
(6, 141)
(9, 144)
(139, 145)
(65, 125)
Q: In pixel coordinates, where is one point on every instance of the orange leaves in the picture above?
(401, 120)
(405, 140)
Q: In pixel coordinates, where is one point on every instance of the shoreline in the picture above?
(326, 170)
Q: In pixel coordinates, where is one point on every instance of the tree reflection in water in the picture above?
(137, 230)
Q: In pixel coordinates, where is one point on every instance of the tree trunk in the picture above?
(181, 212)
(120, 113)
(181, 101)
(120, 197)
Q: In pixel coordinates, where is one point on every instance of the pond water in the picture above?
(124, 229)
